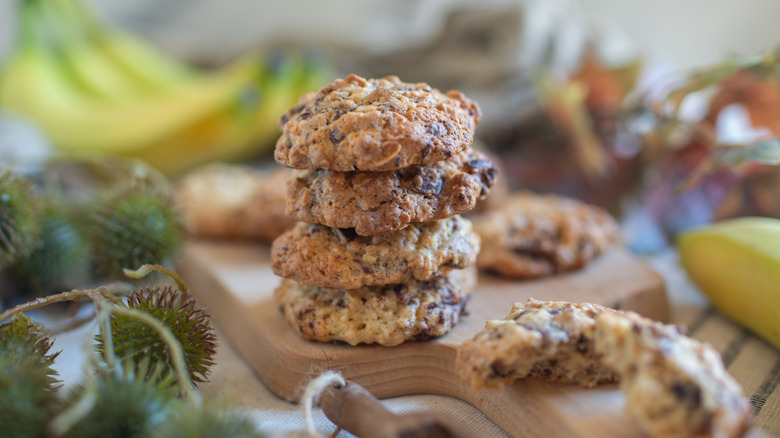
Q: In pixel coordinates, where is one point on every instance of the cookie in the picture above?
(499, 190)
(235, 202)
(675, 386)
(375, 124)
(380, 202)
(534, 235)
(385, 315)
(317, 255)
(549, 340)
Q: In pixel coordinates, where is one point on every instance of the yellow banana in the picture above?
(34, 84)
(247, 129)
(74, 49)
(137, 61)
(736, 263)
(116, 95)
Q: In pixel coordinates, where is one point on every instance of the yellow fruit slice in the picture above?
(736, 263)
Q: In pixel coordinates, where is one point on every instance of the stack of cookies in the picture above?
(380, 253)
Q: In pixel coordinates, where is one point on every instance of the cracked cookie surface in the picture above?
(317, 255)
(548, 340)
(380, 202)
(375, 124)
(534, 235)
(386, 315)
(675, 386)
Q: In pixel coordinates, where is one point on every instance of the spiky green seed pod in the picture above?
(126, 404)
(192, 421)
(59, 261)
(19, 217)
(27, 381)
(136, 341)
(136, 226)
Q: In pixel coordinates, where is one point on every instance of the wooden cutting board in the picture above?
(236, 283)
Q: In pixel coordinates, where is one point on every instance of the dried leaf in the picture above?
(607, 87)
(711, 76)
(759, 95)
(565, 103)
(765, 152)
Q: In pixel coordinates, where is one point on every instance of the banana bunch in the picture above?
(94, 88)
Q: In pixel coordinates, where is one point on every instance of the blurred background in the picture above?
(603, 100)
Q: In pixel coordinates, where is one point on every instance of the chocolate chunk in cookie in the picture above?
(375, 124)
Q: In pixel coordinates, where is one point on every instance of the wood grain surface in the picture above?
(236, 283)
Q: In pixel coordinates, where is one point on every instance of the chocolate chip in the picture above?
(488, 178)
(290, 113)
(687, 393)
(497, 369)
(335, 136)
(427, 185)
(345, 234)
(582, 344)
(553, 311)
(340, 303)
(477, 164)
(423, 180)
(436, 129)
(424, 335)
(425, 150)
(521, 314)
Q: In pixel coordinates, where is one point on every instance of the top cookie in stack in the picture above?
(384, 170)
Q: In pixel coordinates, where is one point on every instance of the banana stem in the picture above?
(147, 269)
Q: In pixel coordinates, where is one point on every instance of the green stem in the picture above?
(75, 294)
(109, 292)
(145, 270)
(68, 418)
(103, 313)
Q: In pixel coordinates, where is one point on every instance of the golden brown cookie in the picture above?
(549, 340)
(236, 202)
(499, 190)
(534, 235)
(386, 315)
(317, 255)
(375, 124)
(675, 386)
(380, 202)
